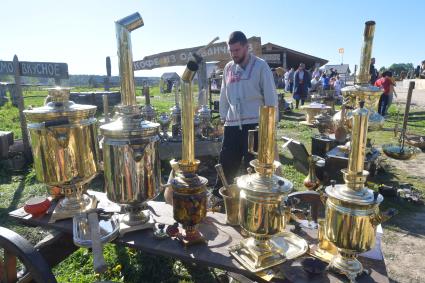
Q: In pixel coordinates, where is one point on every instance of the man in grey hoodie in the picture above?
(247, 85)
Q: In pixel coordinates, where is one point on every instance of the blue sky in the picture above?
(82, 33)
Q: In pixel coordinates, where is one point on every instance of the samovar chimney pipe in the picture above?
(188, 135)
(364, 75)
(358, 140)
(123, 28)
(267, 135)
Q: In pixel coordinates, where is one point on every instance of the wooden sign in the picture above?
(217, 52)
(272, 58)
(36, 69)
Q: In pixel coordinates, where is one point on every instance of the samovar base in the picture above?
(135, 221)
(259, 254)
(191, 236)
(347, 264)
(68, 207)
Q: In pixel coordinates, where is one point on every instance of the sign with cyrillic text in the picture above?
(216, 52)
(36, 69)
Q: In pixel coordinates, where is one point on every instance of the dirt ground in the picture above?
(403, 243)
(404, 249)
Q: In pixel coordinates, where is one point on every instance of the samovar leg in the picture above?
(346, 263)
(135, 218)
(191, 236)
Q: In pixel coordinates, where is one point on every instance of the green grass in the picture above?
(126, 265)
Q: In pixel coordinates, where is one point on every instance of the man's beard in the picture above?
(240, 60)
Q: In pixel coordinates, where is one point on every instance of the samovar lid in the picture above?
(59, 106)
(265, 185)
(123, 128)
(358, 90)
(364, 196)
(188, 182)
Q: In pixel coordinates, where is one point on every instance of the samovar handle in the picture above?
(381, 217)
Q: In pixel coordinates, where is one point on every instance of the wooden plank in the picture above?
(215, 254)
(20, 101)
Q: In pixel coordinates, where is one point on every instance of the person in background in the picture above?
(338, 85)
(373, 72)
(316, 72)
(417, 71)
(385, 84)
(247, 85)
(325, 81)
(391, 94)
(290, 83)
(422, 73)
(302, 82)
(316, 85)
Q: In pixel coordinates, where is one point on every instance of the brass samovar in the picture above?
(362, 90)
(262, 210)
(352, 210)
(148, 112)
(65, 149)
(130, 146)
(189, 189)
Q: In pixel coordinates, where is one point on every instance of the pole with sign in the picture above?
(341, 51)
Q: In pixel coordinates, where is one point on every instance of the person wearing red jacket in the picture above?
(385, 84)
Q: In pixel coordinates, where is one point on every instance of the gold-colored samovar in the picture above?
(352, 210)
(262, 210)
(148, 112)
(65, 149)
(176, 115)
(189, 189)
(362, 90)
(130, 147)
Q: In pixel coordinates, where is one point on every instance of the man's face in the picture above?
(372, 61)
(238, 52)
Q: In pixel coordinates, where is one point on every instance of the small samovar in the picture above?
(352, 210)
(148, 112)
(164, 121)
(176, 115)
(204, 114)
(130, 148)
(189, 189)
(65, 149)
(262, 210)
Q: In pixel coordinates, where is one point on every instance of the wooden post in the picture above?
(202, 83)
(20, 100)
(108, 73)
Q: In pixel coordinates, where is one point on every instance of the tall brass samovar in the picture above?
(362, 90)
(262, 210)
(65, 149)
(148, 112)
(130, 147)
(352, 210)
(189, 189)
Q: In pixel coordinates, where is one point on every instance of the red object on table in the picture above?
(37, 205)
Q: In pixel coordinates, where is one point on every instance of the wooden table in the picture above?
(215, 254)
